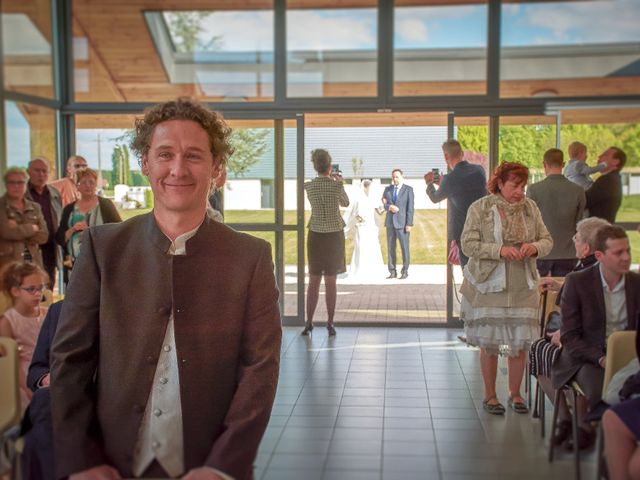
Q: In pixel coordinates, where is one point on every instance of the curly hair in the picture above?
(507, 171)
(80, 173)
(14, 273)
(184, 108)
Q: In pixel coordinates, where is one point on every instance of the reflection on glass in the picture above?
(30, 132)
(473, 135)
(290, 290)
(249, 194)
(331, 52)
(26, 48)
(571, 48)
(440, 50)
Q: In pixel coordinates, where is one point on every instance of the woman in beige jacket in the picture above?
(503, 234)
(22, 226)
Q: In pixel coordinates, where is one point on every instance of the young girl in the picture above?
(24, 283)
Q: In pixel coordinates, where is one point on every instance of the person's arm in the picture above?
(61, 234)
(598, 193)
(582, 203)
(442, 193)
(5, 328)
(343, 198)
(471, 242)
(74, 361)
(583, 169)
(571, 331)
(246, 420)
(40, 366)
(109, 212)
(410, 206)
(385, 202)
(17, 231)
(42, 234)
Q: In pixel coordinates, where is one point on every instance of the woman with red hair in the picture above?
(502, 237)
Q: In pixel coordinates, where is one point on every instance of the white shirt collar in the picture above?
(619, 286)
(179, 245)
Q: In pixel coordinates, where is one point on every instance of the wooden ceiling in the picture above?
(121, 63)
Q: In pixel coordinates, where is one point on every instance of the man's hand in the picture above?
(603, 361)
(35, 227)
(548, 283)
(428, 178)
(203, 473)
(46, 381)
(407, 228)
(80, 226)
(394, 208)
(555, 339)
(12, 223)
(510, 253)
(528, 250)
(101, 472)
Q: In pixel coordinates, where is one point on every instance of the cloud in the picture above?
(412, 30)
(241, 31)
(332, 30)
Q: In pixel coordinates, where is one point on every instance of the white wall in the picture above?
(242, 195)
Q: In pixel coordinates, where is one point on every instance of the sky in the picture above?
(554, 23)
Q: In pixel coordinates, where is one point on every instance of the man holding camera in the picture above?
(465, 184)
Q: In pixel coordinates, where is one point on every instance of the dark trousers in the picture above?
(49, 259)
(394, 234)
(37, 457)
(590, 378)
(556, 268)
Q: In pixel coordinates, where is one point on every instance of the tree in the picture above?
(249, 145)
(357, 164)
(120, 164)
(186, 31)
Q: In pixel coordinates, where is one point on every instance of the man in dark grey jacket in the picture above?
(464, 185)
(561, 203)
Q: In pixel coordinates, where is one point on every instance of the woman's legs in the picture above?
(313, 291)
(331, 293)
(489, 368)
(515, 366)
(620, 448)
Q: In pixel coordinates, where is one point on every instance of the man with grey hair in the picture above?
(50, 203)
(465, 184)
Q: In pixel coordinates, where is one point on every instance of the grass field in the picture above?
(428, 237)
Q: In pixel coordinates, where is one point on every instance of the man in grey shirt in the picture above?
(561, 203)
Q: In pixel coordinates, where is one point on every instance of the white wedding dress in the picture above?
(367, 264)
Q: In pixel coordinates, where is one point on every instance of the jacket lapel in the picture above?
(630, 297)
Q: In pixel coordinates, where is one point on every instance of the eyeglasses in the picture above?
(80, 165)
(16, 182)
(33, 290)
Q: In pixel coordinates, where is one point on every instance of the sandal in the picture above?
(518, 407)
(493, 408)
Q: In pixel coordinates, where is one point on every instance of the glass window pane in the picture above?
(440, 50)
(249, 194)
(524, 140)
(30, 132)
(214, 55)
(571, 48)
(26, 47)
(332, 52)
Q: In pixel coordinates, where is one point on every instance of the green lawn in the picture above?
(428, 237)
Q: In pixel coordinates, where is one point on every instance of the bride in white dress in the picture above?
(366, 262)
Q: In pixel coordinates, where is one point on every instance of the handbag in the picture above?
(454, 253)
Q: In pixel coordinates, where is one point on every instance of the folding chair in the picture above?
(574, 389)
(621, 349)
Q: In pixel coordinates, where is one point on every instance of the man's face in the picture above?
(39, 173)
(396, 178)
(607, 158)
(74, 164)
(16, 185)
(617, 256)
(179, 166)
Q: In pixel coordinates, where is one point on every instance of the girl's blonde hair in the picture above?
(14, 273)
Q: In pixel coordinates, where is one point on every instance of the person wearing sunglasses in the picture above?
(24, 282)
(22, 226)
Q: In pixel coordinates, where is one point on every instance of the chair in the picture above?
(10, 408)
(621, 349)
(574, 389)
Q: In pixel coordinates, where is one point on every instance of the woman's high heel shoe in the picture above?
(331, 330)
(307, 330)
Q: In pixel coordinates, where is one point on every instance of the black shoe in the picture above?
(331, 330)
(403, 276)
(586, 439)
(392, 275)
(307, 330)
(562, 433)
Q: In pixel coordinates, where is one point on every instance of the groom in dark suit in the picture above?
(398, 202)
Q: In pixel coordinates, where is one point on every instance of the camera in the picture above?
(335, 169)
(436, 174)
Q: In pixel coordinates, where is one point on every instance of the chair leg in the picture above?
(541, 408)
(527, 381)
(576, 447)
(535, 413)
(553, 422)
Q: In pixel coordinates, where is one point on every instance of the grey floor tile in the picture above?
(307, 433)
(315, 410)
(350, 447)
(406, 392)
(292, 474)
(357, 434)
(297, 461)
(454, 413)
(311, 421)
(307, 446)
(407, 412)
(409, 463)
(406, 435)
(362, 401)
(406, 402)
(394, 447)
(354, 462)
(346, 411)
(456, 424)
(407, 423)
(351, 475)
(359, 422)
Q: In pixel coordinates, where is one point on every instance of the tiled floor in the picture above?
(395, 403)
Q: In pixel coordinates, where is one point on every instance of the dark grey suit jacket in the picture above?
(584, 322)
(123, 290)
(404, 202)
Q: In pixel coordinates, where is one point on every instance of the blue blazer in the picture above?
(40, 365)
(404, 202)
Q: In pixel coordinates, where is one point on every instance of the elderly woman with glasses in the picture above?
(24, 283)
(88, 211)
(22, 225)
